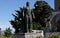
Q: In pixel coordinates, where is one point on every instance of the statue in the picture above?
(29, 14)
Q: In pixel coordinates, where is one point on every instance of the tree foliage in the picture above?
(19, 22)
(36, 26)
(42, 10)
(54, 36)
(7, 32)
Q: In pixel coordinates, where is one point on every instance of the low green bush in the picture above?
(54, 36)
(39, 37)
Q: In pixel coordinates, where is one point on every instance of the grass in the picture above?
(54, 36)
(2, 36)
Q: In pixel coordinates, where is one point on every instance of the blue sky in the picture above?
(7, 7)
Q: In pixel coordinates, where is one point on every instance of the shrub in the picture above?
(39, 37)
(54, 36)
(7, 32)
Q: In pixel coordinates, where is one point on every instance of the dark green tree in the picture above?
(19, 22)
(36, 26)
(7, 32)
(42, 11)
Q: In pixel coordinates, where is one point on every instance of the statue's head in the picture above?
(27, 4)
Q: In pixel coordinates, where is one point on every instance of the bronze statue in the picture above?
(29, 15)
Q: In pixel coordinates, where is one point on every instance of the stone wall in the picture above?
(27, 35)
(18, 36)
(33, 35)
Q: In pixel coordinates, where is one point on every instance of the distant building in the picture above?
(57, 5)
(54, 23)
(56, 16)
(0, 31)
